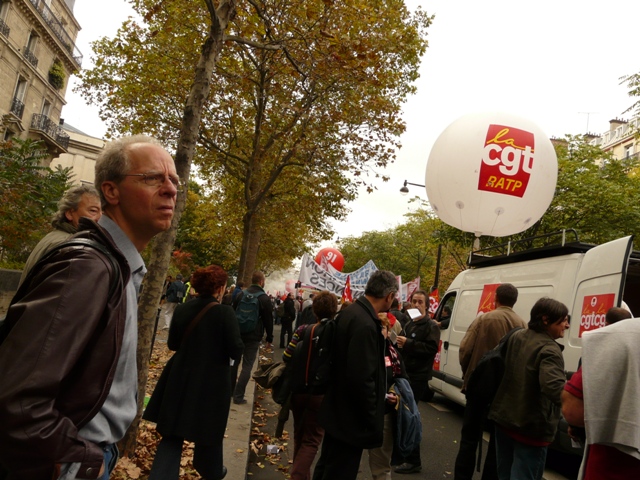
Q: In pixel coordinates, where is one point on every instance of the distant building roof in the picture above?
(70, 128)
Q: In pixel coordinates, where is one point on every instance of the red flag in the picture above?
(434, 301)
(346, 293)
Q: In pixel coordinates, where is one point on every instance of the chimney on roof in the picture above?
(615, 123)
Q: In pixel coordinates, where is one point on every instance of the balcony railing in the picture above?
(51, 129)
(17, 108)
(31, 58)
(4, 28)
(58, 29)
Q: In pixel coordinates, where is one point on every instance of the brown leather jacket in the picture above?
(59, 359)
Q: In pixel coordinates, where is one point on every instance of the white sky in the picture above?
(547, 61)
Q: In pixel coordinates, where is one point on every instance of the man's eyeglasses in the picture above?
(157, 179)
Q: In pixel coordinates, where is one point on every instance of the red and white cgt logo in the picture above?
(594, 309)
(507, 161)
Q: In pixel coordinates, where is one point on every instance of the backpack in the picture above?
(248, 311)
(307, 317)
(5, 327)
(485, 380)
(311, 361)
(408, 421)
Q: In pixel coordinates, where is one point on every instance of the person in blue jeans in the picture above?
(526, 408)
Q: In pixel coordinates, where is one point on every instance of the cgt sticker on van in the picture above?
(436, 360)
(594, 309)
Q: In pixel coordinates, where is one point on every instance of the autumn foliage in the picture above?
(305, 103)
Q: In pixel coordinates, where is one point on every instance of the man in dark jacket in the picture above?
(237, 290)
(418, 346)
(287, 321)
(483, 334)
(402, 317)
(69, 379)
(352, 412)
(252, 340)
(175, 295)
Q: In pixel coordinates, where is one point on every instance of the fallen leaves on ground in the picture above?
(139, 465)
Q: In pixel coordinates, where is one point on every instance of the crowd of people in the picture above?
(358, 369)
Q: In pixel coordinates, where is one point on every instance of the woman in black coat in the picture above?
(192, 398)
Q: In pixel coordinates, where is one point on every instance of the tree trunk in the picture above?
(249, 250)
(163, 243)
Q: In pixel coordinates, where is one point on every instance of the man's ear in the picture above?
(68, 215)
(111, 192)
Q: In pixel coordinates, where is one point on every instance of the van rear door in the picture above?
(599, 286)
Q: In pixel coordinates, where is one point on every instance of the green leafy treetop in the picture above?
(29, 193)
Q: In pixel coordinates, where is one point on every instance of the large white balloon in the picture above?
(491, 174)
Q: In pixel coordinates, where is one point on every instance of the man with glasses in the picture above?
(353, 408)
(69, 378)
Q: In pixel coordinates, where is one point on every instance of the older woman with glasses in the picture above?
(526, 408)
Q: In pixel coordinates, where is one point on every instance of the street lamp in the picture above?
(404, 190)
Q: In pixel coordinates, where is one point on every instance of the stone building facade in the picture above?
(80, 155)
(621, 138)
(37, 56)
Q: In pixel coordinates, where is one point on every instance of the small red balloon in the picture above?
(333, 256)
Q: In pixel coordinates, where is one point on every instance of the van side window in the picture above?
(443, 314)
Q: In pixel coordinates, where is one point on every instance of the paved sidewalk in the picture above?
(236, 448)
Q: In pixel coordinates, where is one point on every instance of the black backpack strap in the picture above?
(504, 341)
(308, 338)
(73, 242)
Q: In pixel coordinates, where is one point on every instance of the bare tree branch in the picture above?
(244, 41)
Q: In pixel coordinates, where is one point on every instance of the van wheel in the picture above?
(428, 395)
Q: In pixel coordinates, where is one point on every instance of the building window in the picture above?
(30, 49)
(628, 150)
(46, 108)
(8, 134)
(17, 104)
(4, 28)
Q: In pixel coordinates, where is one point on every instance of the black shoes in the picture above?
(408, 468)
(239, 402)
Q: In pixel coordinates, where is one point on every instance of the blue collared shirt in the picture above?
(120, 408)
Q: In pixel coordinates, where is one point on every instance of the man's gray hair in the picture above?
(113, 161)
(381, 283)
(70, 201)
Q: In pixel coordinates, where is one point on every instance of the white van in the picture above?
(587, 279)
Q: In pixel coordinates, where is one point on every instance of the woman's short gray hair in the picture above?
(70, 201)
(113, 161)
